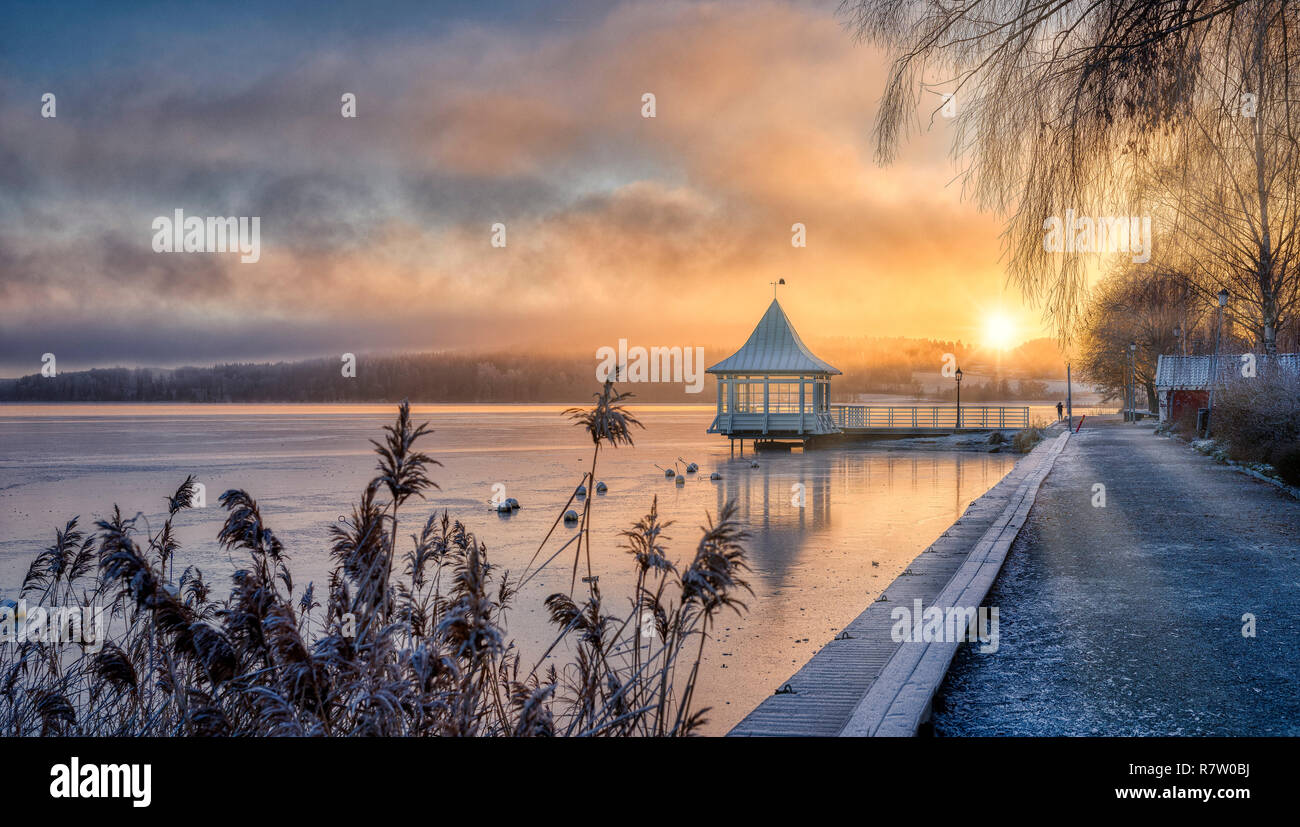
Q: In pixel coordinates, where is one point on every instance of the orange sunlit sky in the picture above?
(376, 230)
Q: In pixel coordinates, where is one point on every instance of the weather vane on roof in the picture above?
(774, 286)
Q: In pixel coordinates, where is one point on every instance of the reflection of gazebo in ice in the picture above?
(773, 388)
(787, 509)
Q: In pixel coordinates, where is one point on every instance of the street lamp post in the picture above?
(1180, 335)
(1123, 376)
(1069, 399)
(958, 375)
(1124, 407)
(1214, 361)
(1132, 379)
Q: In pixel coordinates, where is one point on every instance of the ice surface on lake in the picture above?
(812, 565)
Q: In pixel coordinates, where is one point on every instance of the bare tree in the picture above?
(1228, 189)
(1143, 306)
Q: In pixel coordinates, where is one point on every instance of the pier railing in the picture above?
(928, 417)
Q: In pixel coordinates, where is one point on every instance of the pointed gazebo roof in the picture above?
(773, 347)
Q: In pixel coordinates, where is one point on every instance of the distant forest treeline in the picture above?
(869, 366)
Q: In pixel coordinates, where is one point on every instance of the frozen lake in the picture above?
(812, 566)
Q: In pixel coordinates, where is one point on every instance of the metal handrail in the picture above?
(929, 416)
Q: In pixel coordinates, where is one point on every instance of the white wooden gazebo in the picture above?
(773, 389)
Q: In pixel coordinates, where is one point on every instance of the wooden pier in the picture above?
(863, 683)
(927, 419)
(771, 432)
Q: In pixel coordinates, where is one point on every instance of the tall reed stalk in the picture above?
(420, 651)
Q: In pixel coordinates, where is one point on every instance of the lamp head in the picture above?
(1223, 298)
(958, 375)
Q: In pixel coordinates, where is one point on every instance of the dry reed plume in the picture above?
(409, 638)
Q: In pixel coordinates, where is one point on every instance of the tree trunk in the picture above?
(1268, 285)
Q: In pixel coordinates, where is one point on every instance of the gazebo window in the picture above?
(749, 397)
(783, 397)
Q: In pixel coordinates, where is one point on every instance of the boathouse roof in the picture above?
(773, 347)
(1193, 372)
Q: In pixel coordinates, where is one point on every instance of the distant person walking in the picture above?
(1060, 411)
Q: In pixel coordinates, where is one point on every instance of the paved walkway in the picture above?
(863, 682)
(1127, 619)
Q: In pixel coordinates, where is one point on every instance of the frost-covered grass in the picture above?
(1025, 440)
